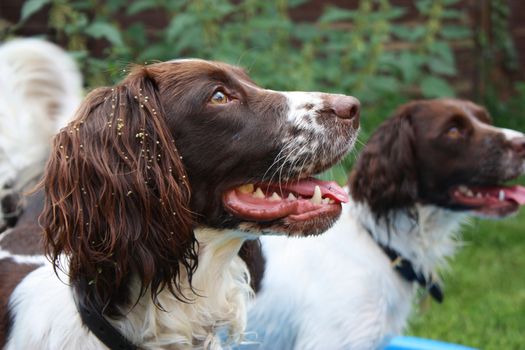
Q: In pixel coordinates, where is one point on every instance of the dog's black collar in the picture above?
(98, 325)
(405, 268)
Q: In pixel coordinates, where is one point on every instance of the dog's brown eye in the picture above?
(219, 98)
(454, 133)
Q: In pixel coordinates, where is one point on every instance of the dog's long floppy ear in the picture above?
(117, 196)
(385, 176)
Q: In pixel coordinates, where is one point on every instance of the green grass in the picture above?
(484, 303)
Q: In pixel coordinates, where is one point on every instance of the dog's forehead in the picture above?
(469, 109)
(199, 66)
(441, 110)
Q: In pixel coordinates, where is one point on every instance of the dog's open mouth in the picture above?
(491, 201)
(297, 201)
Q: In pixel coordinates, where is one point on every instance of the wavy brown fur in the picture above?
(117, 196)
(385, 176)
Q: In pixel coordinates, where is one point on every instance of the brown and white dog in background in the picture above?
(422, 174)
(149, 194)
(40, 88)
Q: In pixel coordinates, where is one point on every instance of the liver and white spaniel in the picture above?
(423, 172)
(148, 196)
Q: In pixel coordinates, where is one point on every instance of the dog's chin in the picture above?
(292, 226)
(312, 226)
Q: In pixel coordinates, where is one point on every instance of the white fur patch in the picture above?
(23, 259)
(298, 102)
(511, 134)
(339, 290)
(40, 88)
(44, 304)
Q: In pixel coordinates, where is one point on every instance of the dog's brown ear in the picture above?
(117, 196)
(385, 176)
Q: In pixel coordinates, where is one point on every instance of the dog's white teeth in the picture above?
(501, 195)
(258, 193)
(291, 197)
(325, 200)
(275, 197)
(463, 189)
(479, 195)
(316, 198)
(331, 201)
(248, 188)
(469, 193)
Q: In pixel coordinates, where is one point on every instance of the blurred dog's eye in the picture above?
(219, 98)
(454, 133)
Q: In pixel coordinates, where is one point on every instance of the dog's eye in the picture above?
(219, 98)
(454, 133)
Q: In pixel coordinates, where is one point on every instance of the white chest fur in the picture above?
(339, 290)
(44, 304)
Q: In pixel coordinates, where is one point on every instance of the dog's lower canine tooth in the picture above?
(316, 198)
(248, 188)
(258, 193)
(291, 197)
(501, 195)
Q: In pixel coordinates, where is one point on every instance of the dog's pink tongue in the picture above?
(329, 189)
(516, 193)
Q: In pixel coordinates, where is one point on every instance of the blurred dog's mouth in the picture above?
(489, 201)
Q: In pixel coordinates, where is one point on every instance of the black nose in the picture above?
(345, 107)
(518, 145)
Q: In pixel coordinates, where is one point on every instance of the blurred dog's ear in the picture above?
(385, 176)
(117, 196)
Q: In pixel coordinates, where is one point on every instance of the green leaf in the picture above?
(452, 32)
(108, 31)
(436, 87)
(32, 6)
(305, 31)
(411, 34)
(136, 35)
(179, 24)
(336, 14)
(295, 3)
(384, 84)
(409, 65)
(452, 14)
(141, 5)
(440, 66)
(155, 52)
(393, 13)
(442, 50)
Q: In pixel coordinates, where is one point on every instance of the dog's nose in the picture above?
(345, 107)
(518, 145)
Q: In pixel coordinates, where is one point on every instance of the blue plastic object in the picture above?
(413, 343)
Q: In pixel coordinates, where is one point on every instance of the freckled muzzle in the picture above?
(321, 129)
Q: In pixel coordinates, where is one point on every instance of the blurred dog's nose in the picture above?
(345, 107)
(518, 145)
